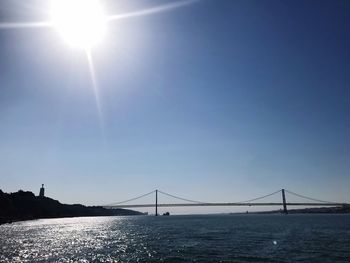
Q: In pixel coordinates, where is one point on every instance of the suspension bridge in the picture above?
(251, 202)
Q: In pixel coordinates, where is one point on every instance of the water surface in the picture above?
(200, 238)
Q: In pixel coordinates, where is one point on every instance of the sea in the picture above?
(179, 238)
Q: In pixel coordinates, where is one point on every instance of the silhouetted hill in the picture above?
(23, 205)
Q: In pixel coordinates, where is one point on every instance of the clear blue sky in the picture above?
(216, 101)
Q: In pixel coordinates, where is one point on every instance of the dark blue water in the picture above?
(202, 238)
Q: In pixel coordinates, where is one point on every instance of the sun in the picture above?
(81, 23)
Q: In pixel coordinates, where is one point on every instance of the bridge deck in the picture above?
(226, 204)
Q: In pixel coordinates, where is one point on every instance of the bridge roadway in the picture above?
(224, 204)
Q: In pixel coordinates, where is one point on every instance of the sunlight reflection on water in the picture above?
(225, 238)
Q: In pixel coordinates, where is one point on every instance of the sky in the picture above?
(212, 101)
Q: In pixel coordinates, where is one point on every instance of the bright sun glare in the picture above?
(81, 23)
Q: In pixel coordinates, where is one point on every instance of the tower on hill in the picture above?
(42, 191)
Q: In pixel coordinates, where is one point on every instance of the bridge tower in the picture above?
(156, 202)
(285, 211)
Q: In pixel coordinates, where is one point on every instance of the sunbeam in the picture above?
(94, 86)
(153, 10)
(25, 25)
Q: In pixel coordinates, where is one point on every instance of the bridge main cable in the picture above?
(258, 198)
(309, 198)
(249, 202)
(183, 199)
(132, 199)
(199, 202)
(189, 200)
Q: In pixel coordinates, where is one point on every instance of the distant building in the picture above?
(42, 191)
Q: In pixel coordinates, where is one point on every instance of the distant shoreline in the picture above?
(22, 206)
(292, 212)
(345, 209)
